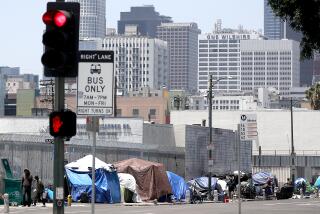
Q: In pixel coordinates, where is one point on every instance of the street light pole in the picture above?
(210, 161)
(210, 146)
(292, 155)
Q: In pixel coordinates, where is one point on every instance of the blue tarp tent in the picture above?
(79, 183)
(178, 185)
(107, 185)
(317, 183)
(261, 178)
(202, 182)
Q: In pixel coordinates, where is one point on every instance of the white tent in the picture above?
(129, 182)
(85, 164)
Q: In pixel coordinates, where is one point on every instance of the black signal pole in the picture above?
(58, 163)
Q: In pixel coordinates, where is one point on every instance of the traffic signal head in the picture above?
(61, 39)
(63, 124)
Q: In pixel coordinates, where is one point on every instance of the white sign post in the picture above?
(247, 130)
(95, 95)
(248, 127)
(95, 83)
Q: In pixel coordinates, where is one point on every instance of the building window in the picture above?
(135, 112)
(152, 113)
(119, 112)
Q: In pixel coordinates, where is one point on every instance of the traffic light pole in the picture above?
(58, 163)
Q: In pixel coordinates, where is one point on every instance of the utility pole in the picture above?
(115, 97)
(210, 161)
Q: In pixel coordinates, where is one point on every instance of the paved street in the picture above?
(306, 206)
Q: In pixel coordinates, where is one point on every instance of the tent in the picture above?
(178, 185)
(128, 182)
(298, 181)
(223, 184)
(261, 178)
(78, 183)
(202, 183)
(84, 165)
(107, 187)
(151, 178)
(80, 180)
(317, 183)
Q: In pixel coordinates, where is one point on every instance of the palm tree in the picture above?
(313, 95)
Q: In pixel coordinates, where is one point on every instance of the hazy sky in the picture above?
(22, 27)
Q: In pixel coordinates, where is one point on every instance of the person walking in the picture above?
(39, 192)
(26, 184)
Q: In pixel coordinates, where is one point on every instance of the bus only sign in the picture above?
(95, 83)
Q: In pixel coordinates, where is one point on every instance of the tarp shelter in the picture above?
(107, 187)
(128, 182)
(178, 185)
(80, 180)
(85, 164)
(79, 183)
(261, 178)
(151, 177)
(299, 181)
(202, 183)
(317, 183)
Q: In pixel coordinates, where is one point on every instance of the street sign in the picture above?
(95, 83)
(248, 127)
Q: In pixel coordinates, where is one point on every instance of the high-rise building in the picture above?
(316, 69)
(9, 70)
(273, 25)
(138, 61)
(92, 18)
(182, 41)
(2, 93)
(219, 55)
(269, 64)
(275, 28)
(145, 18)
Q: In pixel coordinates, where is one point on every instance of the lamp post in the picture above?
(292, 155)
(210, 146)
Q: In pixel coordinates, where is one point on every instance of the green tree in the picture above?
(313, 95)
(303, 16)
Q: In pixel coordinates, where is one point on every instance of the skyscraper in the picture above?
(275, 28)
(269, 64)
(92, 18)
(145, 18)
(219, 55)
(182, 41)
(139, 61)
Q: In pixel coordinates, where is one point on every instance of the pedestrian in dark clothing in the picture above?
(39, 192)
(26, 183)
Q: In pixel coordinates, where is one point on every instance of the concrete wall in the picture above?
(37, 156)
(156, 134)
(224, 155)
(273, 127)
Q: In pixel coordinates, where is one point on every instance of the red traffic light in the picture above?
(56, 123)
(63, 124)
(57, 18)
